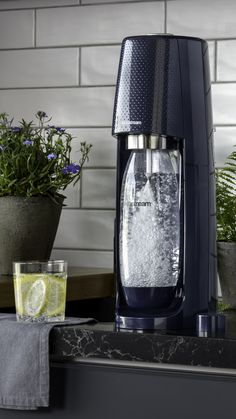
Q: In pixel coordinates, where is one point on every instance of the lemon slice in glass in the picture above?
(35, 298)
(56, 296)
(22, 284)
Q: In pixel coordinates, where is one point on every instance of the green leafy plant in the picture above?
(35, 160)
(221, 306)
(226, 200)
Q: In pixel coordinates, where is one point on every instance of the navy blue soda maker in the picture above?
(165, 254)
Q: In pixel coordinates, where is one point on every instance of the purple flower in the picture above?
(64, 170)
(15, 129)
(27, 142)
(60, 130)
(70, 168)
(51, 156)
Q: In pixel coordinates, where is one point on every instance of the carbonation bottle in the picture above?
(150, 228)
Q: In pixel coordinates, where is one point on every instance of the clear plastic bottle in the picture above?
(150, 228)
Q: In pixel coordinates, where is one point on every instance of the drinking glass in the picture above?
(40, 290)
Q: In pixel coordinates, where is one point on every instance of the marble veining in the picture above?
(102, 341)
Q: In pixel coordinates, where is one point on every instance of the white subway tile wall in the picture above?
(86, 258)
(17, 29)
(99, 65)
(61, 56)
(211, 49)
(98, 188)
(72, 194)
(86, 229)
(224, 139)
(224, 99)
(226, 60)
(97, 24)
(104, 146)
(39, 68)
(202, 18)
(25, 4)
(103, 1)
(69, 106)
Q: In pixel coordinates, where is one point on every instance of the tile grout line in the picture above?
(100, 44)
(105, 168)
(82, 248)
(165, 16)
(92, 209)
(64, 46)
(80, 189)
(232, 38)
(91, 86)
(78, 209)
(35, 23)
(109, 127)
(70, 86)
(215, 61)
(87, 127)
(99, 168)
(62, 6)
(224, 125)
(98, 127)
(79, 66)
(102, 3)
(224, 82)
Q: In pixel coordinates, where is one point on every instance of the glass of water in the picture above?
(40, 290)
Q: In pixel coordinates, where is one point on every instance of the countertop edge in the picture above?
(101, 342)
(161, 367)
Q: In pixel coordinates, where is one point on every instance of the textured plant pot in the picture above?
(226, 261)
(28, 228)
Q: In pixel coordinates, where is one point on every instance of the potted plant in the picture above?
(35, 167)
(226, 229)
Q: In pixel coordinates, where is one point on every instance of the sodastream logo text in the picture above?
(139, 204)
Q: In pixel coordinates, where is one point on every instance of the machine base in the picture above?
(140, 323)
(204, 325)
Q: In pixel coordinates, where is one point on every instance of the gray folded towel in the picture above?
(24, 362)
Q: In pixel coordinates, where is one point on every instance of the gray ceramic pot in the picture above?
(28, 228)
(226, 261)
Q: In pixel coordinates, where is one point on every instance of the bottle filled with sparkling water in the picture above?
(150, 228)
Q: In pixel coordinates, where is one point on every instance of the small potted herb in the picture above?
(226, 229)
(35, 168)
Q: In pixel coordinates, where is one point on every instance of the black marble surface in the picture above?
(101, 340)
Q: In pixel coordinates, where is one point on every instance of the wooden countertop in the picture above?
(82, 284)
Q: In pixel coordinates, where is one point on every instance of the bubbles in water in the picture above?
(150, 230)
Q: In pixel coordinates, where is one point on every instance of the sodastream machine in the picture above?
(165, 245)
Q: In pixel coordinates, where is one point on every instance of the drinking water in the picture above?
(150, 228)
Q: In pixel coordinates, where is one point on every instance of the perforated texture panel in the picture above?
(148, 94)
